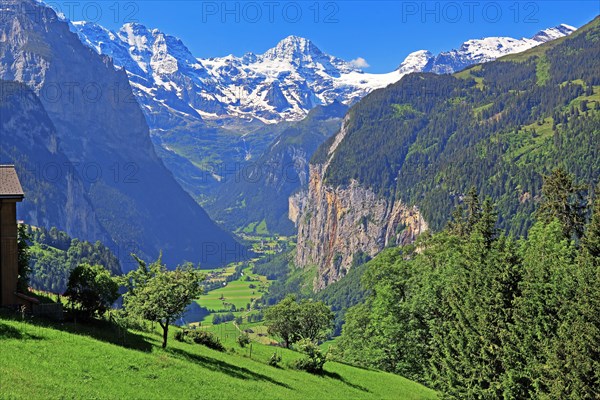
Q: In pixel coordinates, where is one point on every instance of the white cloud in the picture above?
(360, 63)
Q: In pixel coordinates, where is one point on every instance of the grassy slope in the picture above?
(42, 362)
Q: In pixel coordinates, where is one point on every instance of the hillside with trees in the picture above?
(497, 126)
(478, 314)
(53, 255)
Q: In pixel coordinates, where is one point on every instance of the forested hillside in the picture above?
(477, 314)
(53, 255)
(497, 126)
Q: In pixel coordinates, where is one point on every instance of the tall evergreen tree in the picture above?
(591, 239)
(563, 200)
(467, 359)
(575, 362)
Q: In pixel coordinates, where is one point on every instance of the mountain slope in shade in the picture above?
(55, 192)
(284, 83)
(102, 130)
(260, 191)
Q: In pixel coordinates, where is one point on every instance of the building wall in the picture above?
(9, 269)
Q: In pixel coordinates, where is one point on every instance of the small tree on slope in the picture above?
(159, 295)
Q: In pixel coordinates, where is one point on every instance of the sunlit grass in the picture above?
(45, 363)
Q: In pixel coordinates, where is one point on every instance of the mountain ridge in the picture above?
(282, 84)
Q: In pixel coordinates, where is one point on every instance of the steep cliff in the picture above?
(337, 224)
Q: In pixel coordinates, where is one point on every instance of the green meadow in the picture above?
(69, 361)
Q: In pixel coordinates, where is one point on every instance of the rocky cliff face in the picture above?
(335, 224)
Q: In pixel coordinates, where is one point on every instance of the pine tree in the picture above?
(575, 364)
(591, 239)
(458, 224)
(473, 208)
(486, 225)
(467, 359)
(563, 200)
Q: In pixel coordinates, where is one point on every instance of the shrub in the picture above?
(275, 360)
(243, 340)
(314, 360)
(180, 336)
(199, 337)
(129, 322)
(334, 353)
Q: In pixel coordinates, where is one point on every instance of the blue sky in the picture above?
(380, 32)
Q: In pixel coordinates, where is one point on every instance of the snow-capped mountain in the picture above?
(284, 83)
(478, 51)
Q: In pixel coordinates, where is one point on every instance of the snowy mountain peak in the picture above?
(296, 41)
(567, 29)
(293, 48)
(477, 51)
(135, 27)
(553, 33)
(415, 61)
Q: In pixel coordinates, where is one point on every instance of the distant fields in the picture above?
(239, 293)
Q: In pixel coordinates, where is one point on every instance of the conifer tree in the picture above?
(575, 362)
(563, 200)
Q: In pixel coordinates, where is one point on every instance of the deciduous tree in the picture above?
(93, 288)
(159, 295)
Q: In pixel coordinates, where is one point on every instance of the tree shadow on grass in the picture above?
(8, 332)
(106, 331)
(223, 367)
(336, 376)
(101, 330)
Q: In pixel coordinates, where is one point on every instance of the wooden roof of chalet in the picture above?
(10, 187)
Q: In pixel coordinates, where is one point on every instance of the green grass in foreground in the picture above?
(79, 361)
